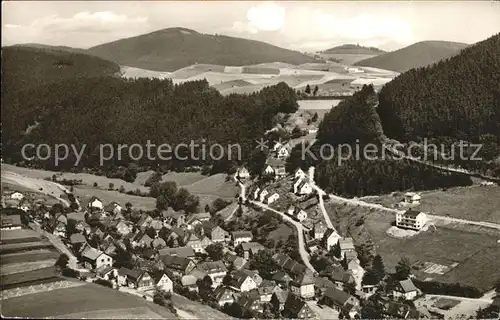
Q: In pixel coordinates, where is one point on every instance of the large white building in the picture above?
(411, 219)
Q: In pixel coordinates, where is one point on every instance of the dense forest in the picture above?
(95, 110)
(355, 123)
(456, 99)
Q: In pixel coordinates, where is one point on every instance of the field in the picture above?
(18, 235)
(477, 203)
(344, 58)
(27, 257)
(317, 104)
(207, 188)
(197, 309)
(443, 246)
(89, 299)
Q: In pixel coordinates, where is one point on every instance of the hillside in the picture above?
(175, 48)
(353, 49)
(417, 55)
(27, 67)
(456, 99)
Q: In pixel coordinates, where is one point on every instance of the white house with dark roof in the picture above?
(241, 237)
(242, 173)
(299, 174)
(270, 198)
(346, 245)
(411, 219)
(95, 204)
(94, 259)
(411, 198)
(303, 286)
(405, 289)
(242, 282)
(302, 187)
(16, 195)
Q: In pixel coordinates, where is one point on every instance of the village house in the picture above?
(405, 289)
(266, 290)
(262, 195)
(113, 208)
(216, 270)
(322, 284)
(77, 240)
(242, 173)
(144, 222)
(242, 282)
(318, 230)
(283, 151)
(278, 300)
(299, 174)
(331, 238)
(11, 222)
(250, 248)
(303, 286)
(233, 260)
(183, 252)
(340, 278)
(299, 214)
(178, 236)
(215, 233)
(346, 245)
(174, 218)
(136, 279)
(255, 276)
(163, 283)
(197, 218)
(141, 239)
(189, 282)
(198, 244)
(106, 272)
(289, 265)
(177, 265)
(339, 300)
(16, 195)
(121, 227)
(24, 205)
(282, 278)
(411, 198)
(95, 204)
(241, 237)
(397, 310)
(223, 295)
(302, 187)
(158, 243)
(57, 227)
(313, 245)
(275, 167)
(411, 219)
(94, 259)
(270, 198)
(157, 225)
(296, 308)
(250, 303)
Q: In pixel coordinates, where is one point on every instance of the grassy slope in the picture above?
(417, 55)
(175, 48)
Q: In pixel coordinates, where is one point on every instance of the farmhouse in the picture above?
(303, 286)
(120, 226)
(319, 229)
(267, 289)
(138, 279)
(296, 308)
(270, 198)
(113, 208)
(198, 218)
(338, 300)
(174, 218)
(262, 195)
(242, 282)
(331, 238)
(94, 259)
(106, 272)
(275, 167)
(278, 299)
(215, 270)
(411, 219)
(405, 289)
(95, 204)
(346, 245)
(163, 282)
(241, 237)
(177, 265)
(302, 187)
(215, 232)
(189, 282)
(411, 198)
(223, 295)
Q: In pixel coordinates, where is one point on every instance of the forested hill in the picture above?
(112, 110)
(353, 49)
(175, 48)
(457, 98)
(417, 55)
(29, 67)
(354, 123)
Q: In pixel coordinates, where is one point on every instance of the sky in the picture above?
(299, 25)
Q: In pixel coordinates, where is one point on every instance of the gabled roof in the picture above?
(346, 244)
(198, 216)
(281, 276)
(159, 242)
(294, 304)
(411, 213)
(303, 280)
(281, 296)
(338, 297)
(407, 286)
(103, 270)
(239, 277)
(242, 234)
(188, 280)
(77, 238)
(212, 267)
(111, 206)
(171, 213)
(222, 293)
(133, 274)
(251, 245)
(92, 253)
(184, 252)
(193, 237)
(175, 262)
(142, 235)
(341, 276)
(209, 227)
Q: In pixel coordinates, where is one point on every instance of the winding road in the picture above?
(300, 234)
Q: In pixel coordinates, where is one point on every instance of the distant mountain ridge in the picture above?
(175, 48)
(420, 54)
(353, 49)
